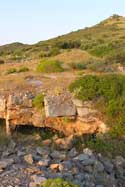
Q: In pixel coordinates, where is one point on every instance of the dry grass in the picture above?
(74, 55)
(30, 64)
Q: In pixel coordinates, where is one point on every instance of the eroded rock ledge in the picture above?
(17, 109)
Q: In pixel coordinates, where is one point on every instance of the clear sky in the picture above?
(30, 21)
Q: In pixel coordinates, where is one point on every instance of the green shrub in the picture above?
(69, 44)
(85, 88)
(99, 66)
(77, 66)
(92, 87)
(54, 51)
(49, 66)
(23, 69)
(44, 54)
(110, 89)
(108, 146)
(115, 16)
(14, 70)
(11, 70)
(117, 131)
(101, 50)
(38, 101)
(57, 183)
(49, 52)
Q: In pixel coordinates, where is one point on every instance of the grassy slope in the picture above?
(99, 40)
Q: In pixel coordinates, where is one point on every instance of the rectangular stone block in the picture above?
(61, 105)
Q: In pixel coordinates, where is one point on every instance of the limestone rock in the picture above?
(57, 155)
(44, 152)
(72, 153)
(61, 105)
(98, 167)
(44, 162)
(82, 157)
(56, 167)
(77, 102)
(5, 163)
(85, 112)
(37, 180)
(29, 159)
(88, 151)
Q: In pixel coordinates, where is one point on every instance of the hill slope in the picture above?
(100, 40)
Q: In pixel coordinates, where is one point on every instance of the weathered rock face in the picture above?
(21, 111)
(17, 109)
(85, 110)
(57, 106)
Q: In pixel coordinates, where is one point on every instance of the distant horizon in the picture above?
(28, 22)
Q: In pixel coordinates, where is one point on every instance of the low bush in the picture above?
(11, 71)
(108, 146)
(99, 65)
(116, 57)
(54, 51)
(49, 66)
(14, 70)
(38, 101)
(23, 69)
(57, 183)
(69, 44)
(77, 66)
(101, 50)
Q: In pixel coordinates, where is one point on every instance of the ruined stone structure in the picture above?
(17, 109)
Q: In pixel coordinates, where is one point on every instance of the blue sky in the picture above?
(30, 21)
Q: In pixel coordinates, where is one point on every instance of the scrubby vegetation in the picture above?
(23, 69)
(17, 70)
(116, 57)
(107, 144)
(57, 183)
(105, 40)
(38, 101)
(49, 66)
(108, 94)
(11, 71)
(77, 66)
